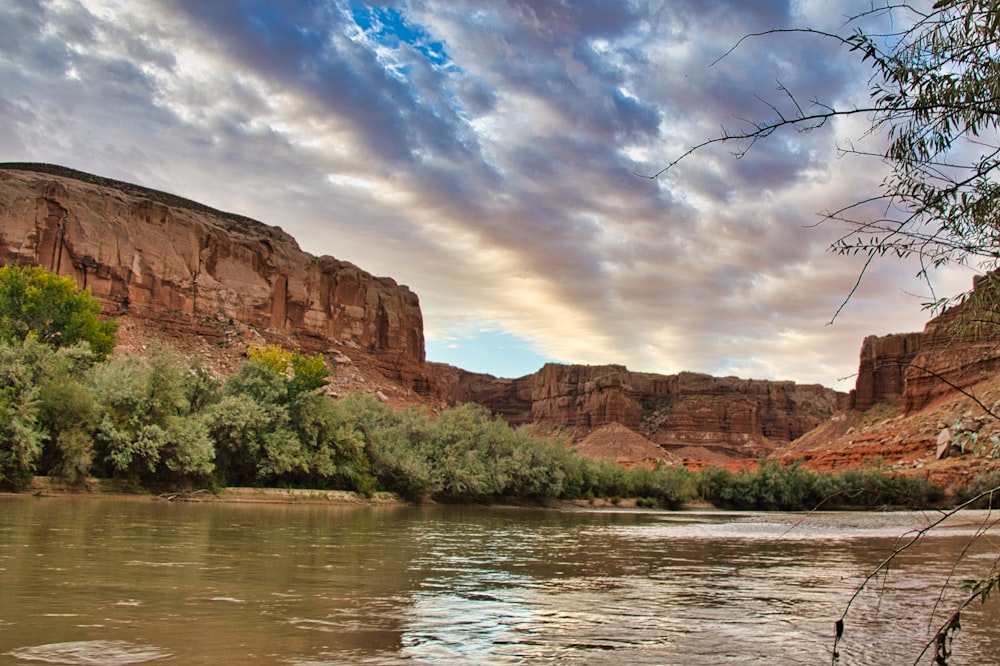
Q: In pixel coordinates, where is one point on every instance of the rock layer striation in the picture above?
(687, 413)
(882, 368)
(184, 266)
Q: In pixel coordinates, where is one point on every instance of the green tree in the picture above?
(396, 444)
(238, 424)
(272, 426)
(301, 373)
(68, 416)
(20, 435)
(34, 301)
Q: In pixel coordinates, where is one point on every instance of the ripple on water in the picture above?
(106, 653)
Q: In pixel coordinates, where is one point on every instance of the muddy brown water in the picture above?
(119, 581)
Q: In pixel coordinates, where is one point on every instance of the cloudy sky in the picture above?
(484, 154)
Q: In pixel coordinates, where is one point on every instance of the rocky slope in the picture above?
(926, 403)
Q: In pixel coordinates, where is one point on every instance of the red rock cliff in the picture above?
(741, 417)
(183, 267)
(958, 349)
(162, 258)
(884, 360)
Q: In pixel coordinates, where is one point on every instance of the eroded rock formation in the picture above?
(958, 349)
(741, 417)
(884, 360)
(680, 413)
(159, 257)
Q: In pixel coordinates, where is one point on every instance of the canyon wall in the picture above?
(881, 371)
(740, 417)
(958, 349)
(194, 272)
(186, 267)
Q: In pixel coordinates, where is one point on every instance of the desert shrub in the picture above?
(298, 373)
(873, 486)
(272, 427)
(475, 455)
(984, 484)
(332, 442)
(609, 480)
(283, 459)
(68, 416)
(147, 431)
(20, 435)
(237, 424)
(256, 441)
(460, 446)
(774, 486)
(396, 444)
(535, 468)
(668, 487)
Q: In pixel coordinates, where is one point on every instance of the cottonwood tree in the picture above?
(934, 96)
(36, 302)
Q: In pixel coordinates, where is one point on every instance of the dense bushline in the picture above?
(161, 421)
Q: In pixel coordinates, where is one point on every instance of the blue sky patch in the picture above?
(390, 28)
(487, 350)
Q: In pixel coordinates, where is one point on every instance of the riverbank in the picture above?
(46, 486)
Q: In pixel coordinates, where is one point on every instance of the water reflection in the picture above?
(313, 585)
(108, 653)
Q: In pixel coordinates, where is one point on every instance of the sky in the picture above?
(490, 156)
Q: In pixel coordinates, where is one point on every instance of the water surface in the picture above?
(110, 581)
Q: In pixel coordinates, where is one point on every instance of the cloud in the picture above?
(485, 155)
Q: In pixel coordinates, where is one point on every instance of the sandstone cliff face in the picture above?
(958, 349)
(741, 418)
(158, 257)
(884, 360)
(446, 385)
(744, 417)
(583, 397)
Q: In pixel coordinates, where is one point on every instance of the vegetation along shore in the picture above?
(161, 423)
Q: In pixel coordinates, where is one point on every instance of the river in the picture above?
(121, 581)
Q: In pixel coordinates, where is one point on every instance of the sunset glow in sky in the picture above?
(484, 154)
